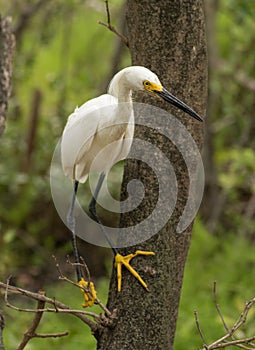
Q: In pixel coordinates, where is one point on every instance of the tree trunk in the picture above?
(211, 205)
(7, 43)
(167, 37)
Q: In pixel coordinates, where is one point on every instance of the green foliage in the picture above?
(239, 164)
(210, 259)
(232, 125)
(235, 43)
(65, 56)
(228, 261)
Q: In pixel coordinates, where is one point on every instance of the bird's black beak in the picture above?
(167, 96)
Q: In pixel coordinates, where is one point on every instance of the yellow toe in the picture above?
(88, 291)
(125, 260)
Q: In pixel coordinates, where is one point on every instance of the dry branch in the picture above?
(85, 269)
(111, 27)
(95, 321)
(229, 339)
(30, 333)
(59, 307)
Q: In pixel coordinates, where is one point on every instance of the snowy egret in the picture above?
(98, 123)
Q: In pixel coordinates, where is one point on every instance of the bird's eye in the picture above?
(146, 84)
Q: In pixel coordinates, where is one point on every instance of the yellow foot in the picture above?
(124, 260)
(88, 291)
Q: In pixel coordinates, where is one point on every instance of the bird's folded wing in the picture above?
(80, 130)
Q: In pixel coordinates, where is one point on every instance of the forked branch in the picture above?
(31, 332)
(96, 322)
(230, 338)
(111, 27)
(58, 307)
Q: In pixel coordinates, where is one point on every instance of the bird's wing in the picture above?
(117, 131)
(103, 148)
(80, 130)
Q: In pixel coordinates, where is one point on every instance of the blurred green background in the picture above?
(64, 57)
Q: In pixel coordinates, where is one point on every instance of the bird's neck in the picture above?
(125, 106)
(120, 89)
(124, 95)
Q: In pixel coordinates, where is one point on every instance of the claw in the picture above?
(124, 260)
(88, 291)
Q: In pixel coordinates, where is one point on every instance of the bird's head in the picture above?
(141, 78)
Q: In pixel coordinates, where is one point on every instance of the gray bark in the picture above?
(7, 43)
(167, 37)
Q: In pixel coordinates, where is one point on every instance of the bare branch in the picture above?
(30, 333)
(228, 339)
(235, 342)
(85, 268)
(218, 307)
(51, 335)
(242, 319)
(96, 325)
(112, 28)
(35, 323)
(58, 306)
(54, 310)
(199, 330)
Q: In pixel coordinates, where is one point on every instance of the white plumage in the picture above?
(99, 134)
(105, 120)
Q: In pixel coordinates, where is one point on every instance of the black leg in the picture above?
(71, 225)
(92, 209)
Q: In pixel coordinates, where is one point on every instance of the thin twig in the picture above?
(62, 277)
(112, 28)
(51, 335)
(29, 334)
(218, 307)
(233, 342)
(103, 307)
(242, 319)
(57, 304)
(199, 329)
(230, 332)
(228, 339)
(55, 310)
(85, 267)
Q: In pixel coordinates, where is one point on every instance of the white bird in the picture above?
(106, 124)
